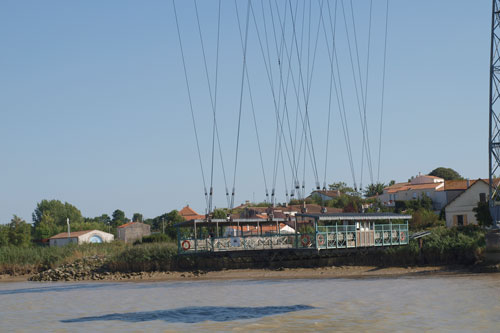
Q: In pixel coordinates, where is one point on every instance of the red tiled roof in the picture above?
(189, 214)
(73, 234)
(408, 186)
(450, 185)
(128, 224)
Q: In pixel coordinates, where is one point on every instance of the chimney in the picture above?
(419, 174)
(468, 182)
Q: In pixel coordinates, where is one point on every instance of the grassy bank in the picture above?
(24, 260)
(443, 247)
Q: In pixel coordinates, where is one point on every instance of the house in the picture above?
(189, 214)
(81, 237)
(418, 186)
(132, 231)
(459, 211)
(325, 195)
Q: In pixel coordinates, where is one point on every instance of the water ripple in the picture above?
(196, 314)
(61, 288)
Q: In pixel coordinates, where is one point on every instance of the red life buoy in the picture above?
(186, 245)
(305, 240)
(321, 239)
(402, 236)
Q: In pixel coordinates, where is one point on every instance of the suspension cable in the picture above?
(253, 107)
(190, 103)
(241, 105)
(383, 91)
(213, 97)
(339, 90)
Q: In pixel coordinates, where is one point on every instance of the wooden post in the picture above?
(195, 238)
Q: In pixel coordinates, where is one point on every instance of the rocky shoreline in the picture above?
(95, 268)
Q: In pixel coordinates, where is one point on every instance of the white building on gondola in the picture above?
(81, 237)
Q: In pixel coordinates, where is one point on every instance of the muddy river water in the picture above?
(437, 303)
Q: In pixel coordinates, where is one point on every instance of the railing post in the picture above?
(336, 236)
(390, 225)
(399, 234)
(178, 240)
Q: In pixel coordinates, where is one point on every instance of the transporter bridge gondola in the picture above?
(302, 232)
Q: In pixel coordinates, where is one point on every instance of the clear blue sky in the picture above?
(94, 109)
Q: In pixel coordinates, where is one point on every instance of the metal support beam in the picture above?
(494, 113)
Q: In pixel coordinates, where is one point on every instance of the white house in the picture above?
(421, 185)
(81, 237)
(325, 195)
(459, 210)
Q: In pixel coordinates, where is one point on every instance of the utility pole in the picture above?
(163, 224)
(69, 229)
(494, 113)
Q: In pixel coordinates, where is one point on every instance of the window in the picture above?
(460, 220)
(482, 197)
(414, 195)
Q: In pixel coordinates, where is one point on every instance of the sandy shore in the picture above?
(285, 273)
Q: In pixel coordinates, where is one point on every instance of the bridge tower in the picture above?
(494, 111)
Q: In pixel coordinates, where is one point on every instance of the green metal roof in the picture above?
(356, 216)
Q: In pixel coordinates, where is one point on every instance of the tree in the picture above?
(137, 217)
(168, 220)
(483, 215)
(340, 186)
(422, 202)
(445, 173)
(58, 211)
(119, 218)
(4, 235)
(47, 227)
(374, 189)
(19, 232)
(219, 213)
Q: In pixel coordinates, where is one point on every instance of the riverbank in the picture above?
(335, 272)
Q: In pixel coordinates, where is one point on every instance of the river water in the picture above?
(438, 303)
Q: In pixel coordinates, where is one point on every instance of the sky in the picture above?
(94, 108)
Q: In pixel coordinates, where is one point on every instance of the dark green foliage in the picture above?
(47, 227)
(4, 235)
(137, 217)
(155, 238)
(425, 219)
(145, 257)
(119, 218)
(483, 214)
(422, 202)
(349, 203)
(445, 173)
(454, 245)
(340, 186)
(219, 213)
(57, 211)
(19, 232)
(168, 220)
(374, 189)
(104, 219)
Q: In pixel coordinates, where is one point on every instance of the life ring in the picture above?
(402, 236)
(305, 240)
(186, 245)
(321, 239)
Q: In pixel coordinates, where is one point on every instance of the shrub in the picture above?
(156, 238)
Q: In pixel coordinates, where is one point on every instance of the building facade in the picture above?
(81, 237)
(418, 186)
(132, 231)
(459, 211)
